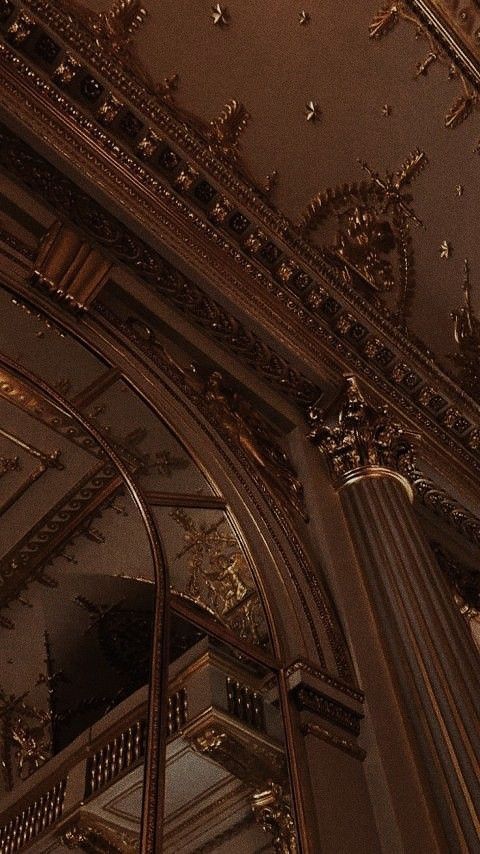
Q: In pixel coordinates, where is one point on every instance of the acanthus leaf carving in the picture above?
(364, 438)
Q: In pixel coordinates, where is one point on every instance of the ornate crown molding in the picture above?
(276, 273)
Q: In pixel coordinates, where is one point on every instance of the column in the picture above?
(432, 662)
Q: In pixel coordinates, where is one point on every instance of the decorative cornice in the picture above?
(303, 666)
(366, 440)
(443, 505)
(345, 325)
(465, 580)
(349, 339)
(309, 699)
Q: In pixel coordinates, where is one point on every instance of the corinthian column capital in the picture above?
(364, 442)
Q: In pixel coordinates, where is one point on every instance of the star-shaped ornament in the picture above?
(220, 15)
(445, 249)
(304, 18)
(312, 111)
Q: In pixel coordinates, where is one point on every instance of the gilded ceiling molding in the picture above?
(19, 393)
(345, 336)
(8, 464)
(451, 29)
(317, 302)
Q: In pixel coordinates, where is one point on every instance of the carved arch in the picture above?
(301, 620)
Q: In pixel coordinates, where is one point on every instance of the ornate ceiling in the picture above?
(381, 89)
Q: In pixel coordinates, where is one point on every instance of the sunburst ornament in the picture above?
(220, 15)
(312, 111)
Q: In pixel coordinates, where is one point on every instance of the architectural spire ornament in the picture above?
(365, 442)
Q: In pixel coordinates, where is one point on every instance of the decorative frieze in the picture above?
(310, 699)
(149, 265)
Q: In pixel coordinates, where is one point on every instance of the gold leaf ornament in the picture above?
(460, 110)
(384, 21)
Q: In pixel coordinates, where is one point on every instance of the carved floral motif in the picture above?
(26, 737)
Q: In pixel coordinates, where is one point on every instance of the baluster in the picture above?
(129, 747)
(121, 752)
(138, 740)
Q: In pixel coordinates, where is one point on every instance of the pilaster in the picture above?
(424, 643)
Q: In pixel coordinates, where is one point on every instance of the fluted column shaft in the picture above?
(431, 656)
